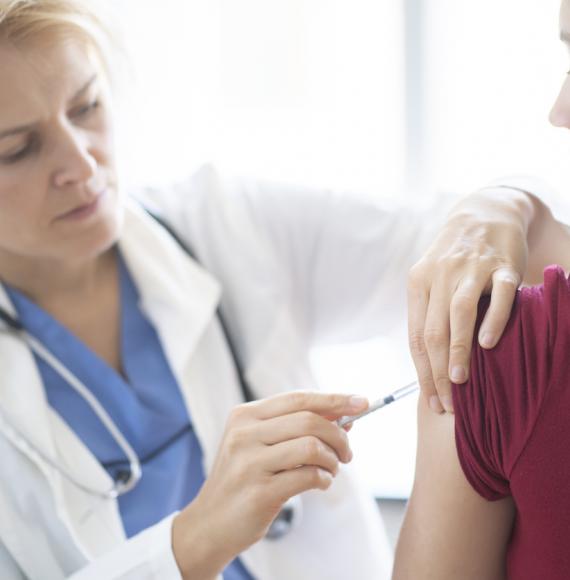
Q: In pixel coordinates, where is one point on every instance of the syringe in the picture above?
(394, 396)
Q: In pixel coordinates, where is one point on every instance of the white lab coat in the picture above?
(292, 270)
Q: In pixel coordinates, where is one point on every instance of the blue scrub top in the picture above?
(146, 405)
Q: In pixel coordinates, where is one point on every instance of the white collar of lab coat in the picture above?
(180, 298)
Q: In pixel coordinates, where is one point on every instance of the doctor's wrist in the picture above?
(197, 556)
(512, 202)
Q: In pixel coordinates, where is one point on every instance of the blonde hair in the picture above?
(23, 21)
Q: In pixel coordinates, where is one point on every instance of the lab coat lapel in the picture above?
(24, 403)
(178, 295)
(94, 522)
(94, 525)
(180, 298)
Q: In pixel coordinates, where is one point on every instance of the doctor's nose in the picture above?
(560, 112)
(75, 162)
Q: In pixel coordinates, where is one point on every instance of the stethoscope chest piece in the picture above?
(288, 518)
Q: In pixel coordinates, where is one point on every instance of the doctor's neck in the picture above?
(51, 281)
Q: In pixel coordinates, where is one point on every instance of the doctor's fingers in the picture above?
(288, 484)
(303, 424)
(298, 452)
(418, 299)
(324, 404)
(450, 323)
(462, 320)
(505, 285)
(436, 338)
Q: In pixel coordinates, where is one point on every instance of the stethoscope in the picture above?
(128, 478)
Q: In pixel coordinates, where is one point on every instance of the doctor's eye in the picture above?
(85, 110)
(29, 147)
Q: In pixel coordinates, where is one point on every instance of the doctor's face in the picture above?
(58, 194)
(560, 113)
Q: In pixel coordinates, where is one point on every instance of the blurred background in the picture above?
(390, 98)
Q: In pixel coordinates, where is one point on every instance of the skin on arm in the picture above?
(449, 531)
(549, 243)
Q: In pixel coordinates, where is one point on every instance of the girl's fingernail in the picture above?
(458, 374)
(487, 340)
(447, 403)
(358, 403)
(435, 405)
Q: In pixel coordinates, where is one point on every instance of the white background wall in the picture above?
(301, 90)
(314, 91)
(493, 70)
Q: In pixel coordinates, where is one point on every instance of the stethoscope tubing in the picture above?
(118, 488)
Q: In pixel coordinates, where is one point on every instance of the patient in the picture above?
(491, 499)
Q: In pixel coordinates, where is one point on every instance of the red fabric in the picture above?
(512, 427)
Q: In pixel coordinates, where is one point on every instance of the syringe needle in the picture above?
(394, 396)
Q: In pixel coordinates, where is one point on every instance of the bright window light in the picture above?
(493, 70)
(294, 90)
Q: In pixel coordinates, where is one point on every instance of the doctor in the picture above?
(125, 448)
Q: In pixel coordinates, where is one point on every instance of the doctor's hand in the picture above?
(272, 450)
(482, 249)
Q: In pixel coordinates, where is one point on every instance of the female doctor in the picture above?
(126, 449)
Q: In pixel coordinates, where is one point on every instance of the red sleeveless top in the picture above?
(512, 427)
